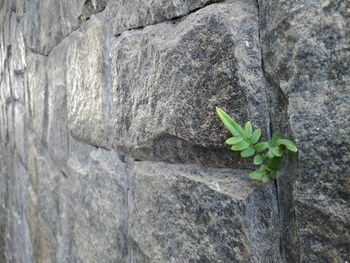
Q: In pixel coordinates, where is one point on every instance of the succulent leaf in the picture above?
(234, 140)
(247, 152)
(240, 146)
(255, 136)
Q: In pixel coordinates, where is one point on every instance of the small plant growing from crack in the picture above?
(267, 154)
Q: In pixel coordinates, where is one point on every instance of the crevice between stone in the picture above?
(46, 54)
(173, 19)
(270, 131)
(285, 204)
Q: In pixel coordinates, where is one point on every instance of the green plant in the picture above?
(267, 154)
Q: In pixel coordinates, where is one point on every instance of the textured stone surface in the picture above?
(306, 51)
(76, 80)
(47, 23)
(36, 81)
(192, 214)
(168, 78)
(86, 84)
(55, 114)
(97, 206)
(3, 209)
(18, 232)
(43, 205)
(139, 13)
(77, 212)
(91, 90)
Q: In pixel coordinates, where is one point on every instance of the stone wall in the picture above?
(110, 149)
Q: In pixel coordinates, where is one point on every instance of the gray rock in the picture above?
(55, 118)
(185, 213)
(18, 244)
(76, 212)
(14, 232)
(87, 84)
(168, 78)
(72, 76)
(36, 83)
(139, 13)
(97, 204)
(18, 48)
(306, 51)
(43, 203)
(6, 98)
(4, 162)
(47, 23)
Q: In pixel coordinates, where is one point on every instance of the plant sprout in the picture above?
(266, 154)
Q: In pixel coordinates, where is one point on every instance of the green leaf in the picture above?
(263, 168)
(270, 153)
(248, 129)
(260, 147)
(289, 144)
(275, 137)
(255, 136)
(230, 123)
(234, 140)
(247, 152)
(277, 151)
(258, 159)
(274, 163)
(256, 175)
(240, 146)
(259, 176)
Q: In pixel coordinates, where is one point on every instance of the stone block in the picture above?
(97, 206)
(87, 84)
(139, 13)
(46, 23)
(305, 52)
(168, 78)
(186, 213)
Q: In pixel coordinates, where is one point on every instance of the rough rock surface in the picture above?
(306, 58)
(47, 23)
(180, 217)
(99, 97)
(139, 13)
(86, 75)
(168, 78)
